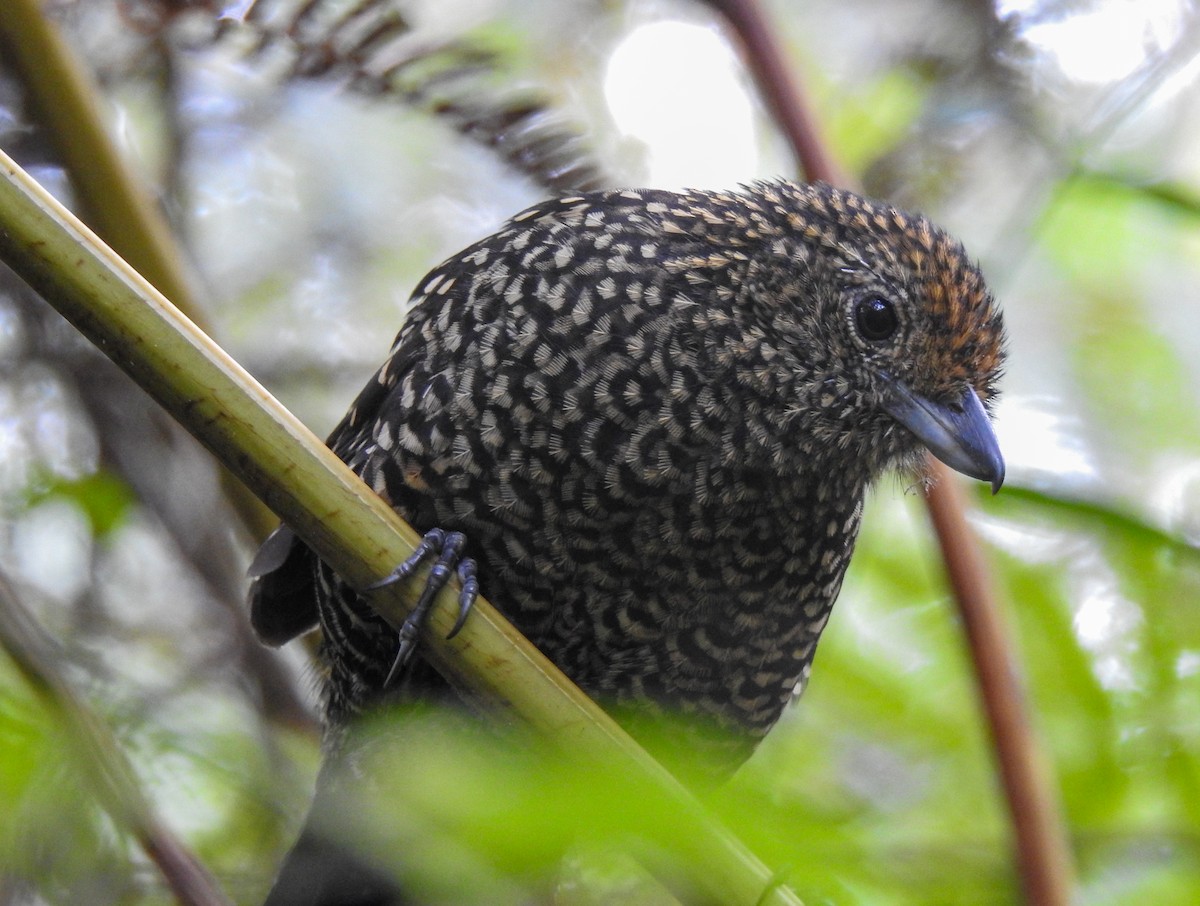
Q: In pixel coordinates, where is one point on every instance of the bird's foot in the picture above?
(448, 548)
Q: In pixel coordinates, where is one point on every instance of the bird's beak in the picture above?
(959, 434)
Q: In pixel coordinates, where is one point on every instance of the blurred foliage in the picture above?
(103, 497)
(311, 209)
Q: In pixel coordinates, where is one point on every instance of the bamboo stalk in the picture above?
(344, 522)
(111, 195)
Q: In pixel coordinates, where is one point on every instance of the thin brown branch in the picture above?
(97, 754)
(781, 90)
(1043, 850)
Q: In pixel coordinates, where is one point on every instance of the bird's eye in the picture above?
(875, 318)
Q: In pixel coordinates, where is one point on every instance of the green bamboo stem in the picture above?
(111, 195)
(345, 523)
(68, 105)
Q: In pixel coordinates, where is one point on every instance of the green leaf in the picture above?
(103, 497)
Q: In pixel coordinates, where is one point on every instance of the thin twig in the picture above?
(1043, 849)
(97, 754)
(781, 90)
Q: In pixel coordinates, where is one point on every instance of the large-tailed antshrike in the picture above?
(653, 416)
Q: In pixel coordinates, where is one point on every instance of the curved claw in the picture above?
(433, 543)
(448, 548)
(403, 654)
(466, 599)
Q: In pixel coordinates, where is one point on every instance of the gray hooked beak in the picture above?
(960, 434)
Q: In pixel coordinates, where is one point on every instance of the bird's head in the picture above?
(893, 339)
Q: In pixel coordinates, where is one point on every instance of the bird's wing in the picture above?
(283, 603)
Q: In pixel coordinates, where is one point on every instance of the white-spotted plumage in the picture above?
(651, 416)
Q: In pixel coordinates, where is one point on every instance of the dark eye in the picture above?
(875, 318)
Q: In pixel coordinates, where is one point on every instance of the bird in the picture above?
(644, 423)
